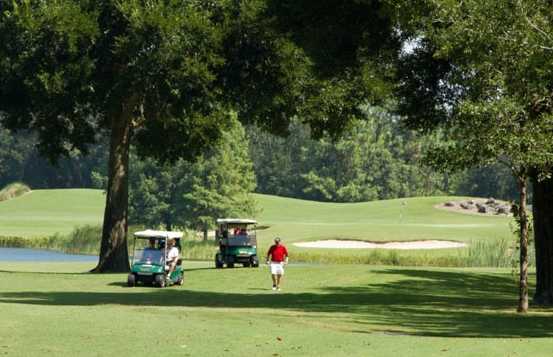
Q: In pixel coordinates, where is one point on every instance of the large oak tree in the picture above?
(165, 74)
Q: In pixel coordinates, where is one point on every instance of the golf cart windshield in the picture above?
(237, 232)
(151, 246)
(148, 256)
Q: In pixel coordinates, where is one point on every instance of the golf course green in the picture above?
(323, 310)
(46, 212)
(42, 213)
(338, 310)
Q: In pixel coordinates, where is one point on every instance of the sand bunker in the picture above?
(357, 244)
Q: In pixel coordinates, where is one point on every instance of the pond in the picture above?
(28, 255)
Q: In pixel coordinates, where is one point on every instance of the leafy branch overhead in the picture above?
(165, 76)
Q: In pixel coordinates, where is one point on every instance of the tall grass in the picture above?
(500, 253)
(497, 253)
(493, 253)
(86, 240)
(199, 250)
(82, 240)
(13, 190)
(380, 257)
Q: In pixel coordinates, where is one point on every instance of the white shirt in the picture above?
(172, 254)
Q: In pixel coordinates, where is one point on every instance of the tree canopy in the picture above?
(482, 72)
(374, 159)
(171, 72)
(193, 194)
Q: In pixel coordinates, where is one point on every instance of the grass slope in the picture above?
(344, 310)
(390, 220)
(45, 212)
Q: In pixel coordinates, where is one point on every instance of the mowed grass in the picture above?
(43, 213)
(378, 221)
(389, 220)
(336, 310)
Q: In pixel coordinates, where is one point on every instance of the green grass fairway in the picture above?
(344, 310)
(45, 212)
(390, 220)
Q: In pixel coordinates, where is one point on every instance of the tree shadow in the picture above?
(450, 304)
(415, 302)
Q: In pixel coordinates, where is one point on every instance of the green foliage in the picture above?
(12, 157)
(20, 160)
(288, 59)
(198, 250)
(494, 180)
(288, 166)
(193, 195)
(499, 56)
(176, 68)
(81, 240)
(376, 159)
(491, 93)
(494, 253)
(73, 47)
(171, 72)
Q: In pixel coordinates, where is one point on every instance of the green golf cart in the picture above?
(237, 243)
(148, 263)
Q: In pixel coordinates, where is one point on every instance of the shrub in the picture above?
(13, 190)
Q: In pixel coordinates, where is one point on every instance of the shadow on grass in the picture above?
(419, 302)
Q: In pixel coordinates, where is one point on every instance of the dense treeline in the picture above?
(376, 159)
(192, 194)
(20, 161)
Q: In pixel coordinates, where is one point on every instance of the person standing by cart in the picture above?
(277, 257)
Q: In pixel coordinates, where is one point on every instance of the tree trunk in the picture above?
(205, 232)
(542, 210)
(523, 225)
(114, 256)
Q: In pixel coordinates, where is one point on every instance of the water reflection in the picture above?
(27, 255)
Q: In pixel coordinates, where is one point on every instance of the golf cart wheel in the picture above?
(255, 262)
(131, 280)
(246, 265)
(180, 280)
(159, 280)
(218, 261)
(230, 261)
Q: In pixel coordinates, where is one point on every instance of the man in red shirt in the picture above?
(277, 257)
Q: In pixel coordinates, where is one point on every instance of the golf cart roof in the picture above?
(149, 233)
(236, 221)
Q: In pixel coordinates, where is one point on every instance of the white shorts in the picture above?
(277, 268)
